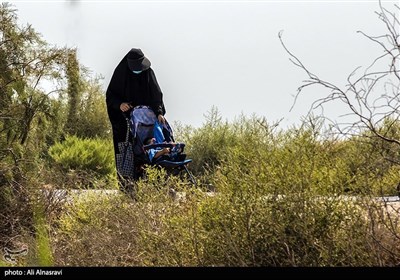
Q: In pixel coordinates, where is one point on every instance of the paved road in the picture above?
(389, 198)
(61, 194)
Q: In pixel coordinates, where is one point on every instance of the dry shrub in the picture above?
(111, 229)
(234, 227)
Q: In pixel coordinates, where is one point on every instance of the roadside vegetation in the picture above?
(299, 196)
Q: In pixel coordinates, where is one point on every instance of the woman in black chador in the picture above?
(132, 84)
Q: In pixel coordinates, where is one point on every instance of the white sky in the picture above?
(222, 53)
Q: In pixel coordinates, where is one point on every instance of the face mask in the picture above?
(137, 72)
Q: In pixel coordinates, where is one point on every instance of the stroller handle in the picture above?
(160, 145)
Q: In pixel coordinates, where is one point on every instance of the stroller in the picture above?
(143, 124)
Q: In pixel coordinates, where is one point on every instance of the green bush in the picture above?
(283, 198)
(84, 154)
(234, 227)
(209, 144)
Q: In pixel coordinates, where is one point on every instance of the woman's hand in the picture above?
(125, 107)
(161, 119)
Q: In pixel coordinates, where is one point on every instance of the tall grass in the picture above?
(283, 198)
(44, 255)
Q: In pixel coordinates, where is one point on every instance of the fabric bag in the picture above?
(125, 160)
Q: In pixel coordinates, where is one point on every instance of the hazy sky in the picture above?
(222, 53)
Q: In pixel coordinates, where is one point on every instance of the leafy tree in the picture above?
(42, 88)
(74, 92)
(26, 63)
(94, 119)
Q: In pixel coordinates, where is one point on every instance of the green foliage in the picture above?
(93, 119)
(33, 113)
(302, 158)
(209, 143)
(279, 203)
(294, 197)
(106, 227)
(26, 111)
(87, 111)
(74, 91)
(84, 154)
(290, 230)
(234, 227)
(44, 255)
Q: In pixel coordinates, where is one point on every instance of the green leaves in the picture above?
(84, 154)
